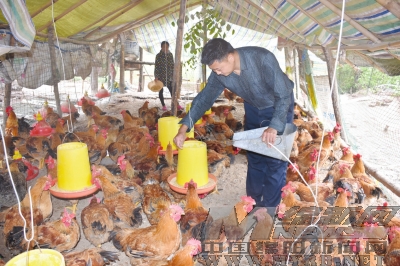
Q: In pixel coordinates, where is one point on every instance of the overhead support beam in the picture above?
(158, 13)
(41, 9)
(104, 17)
(129, 7)
(272, 17)
(370, 61)
(43, 35)
(61, 15)
(356, 25)
(391, 5)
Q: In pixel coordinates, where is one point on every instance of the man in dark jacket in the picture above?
(164, 71)
(253, 73)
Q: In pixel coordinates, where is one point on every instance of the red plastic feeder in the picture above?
(68, 107)
(162, 152)
(41, 128)
(102, 93)
(212, 182)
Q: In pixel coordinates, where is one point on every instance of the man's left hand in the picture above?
(269, 136)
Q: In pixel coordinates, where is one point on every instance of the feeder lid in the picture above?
(41, 128)
(212, 182)
(102, 93)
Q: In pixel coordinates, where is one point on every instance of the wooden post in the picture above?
(203, 67)
(302, 73)
(178, 52)
(289, 63)
(94, 80)
(141, 80)
(122, 65)
(330, 63)
(54, 71)
(7, 101)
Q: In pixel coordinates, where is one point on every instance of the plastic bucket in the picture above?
(73, 166)
(192, 163)
(38, 257)
(167, 129)
(187, 108)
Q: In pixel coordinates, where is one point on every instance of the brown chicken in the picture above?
(155, 200)
(129, 186)
(51, 165)
(52, 117)
(42, 209)
(142, 110)
(127, 171)
(156, 242)
(183, 257)
(119, 204)
(106, 121)
(261, 232)
(214, 157)
(303, 139)
(150, 118)
(219, 110)
(368, 185)
(305, 194)
(347, 155)
(71, 118)
(231, 226)
(96, 222)
(221, 131)
(38, 148)
(392, 257)
(291, 173)
(195, 214)
(342, 199)
(11, 123)
(92, 256)
(233, 123)
(131, 121)
(117, 149)
(8, 197)
(61, 235)
(231, 96)
(239, 100)
(89, 110)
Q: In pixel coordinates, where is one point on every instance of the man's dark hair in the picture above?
(164, 42)
(215, 49)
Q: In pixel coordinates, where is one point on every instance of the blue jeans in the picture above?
(265, 175)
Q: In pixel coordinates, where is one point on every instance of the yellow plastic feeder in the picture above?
(192, 165)
(167, 129)
(38, 257)
(74, 178)
(187, 108)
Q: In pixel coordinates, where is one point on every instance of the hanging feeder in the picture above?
(74, 178)
(102, 93)
(67, 107)
(41, 128)
(38, 257)
(88, 99)
(192, 165)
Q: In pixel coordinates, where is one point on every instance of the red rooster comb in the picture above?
(337, 128)
(8, 109)
(357, 157)
(345, 150)
(314, 155)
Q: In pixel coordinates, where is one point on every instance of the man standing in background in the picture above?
(164, 71)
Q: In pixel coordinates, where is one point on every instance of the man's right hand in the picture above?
(180, 137)
(156, 79)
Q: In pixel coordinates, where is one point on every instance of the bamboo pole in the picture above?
(203, 66)
(103, 18)
(122, 65)
(61, 15)
(94, 80)
(391, 185)
(41, 9)
(330, 63)
(353, 23)
(296, 72)
(141, 85)
(54, 71)
(6, 103)
(392, 6)
(289, 63)
(178, 53)
(129, 7)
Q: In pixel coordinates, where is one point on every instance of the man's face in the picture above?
(224, 67)
(165, 48)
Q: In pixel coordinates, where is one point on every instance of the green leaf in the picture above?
(197, 41)
(186, 19)
(212, 30)
(233, 31)
(173, 23)
(192, 16)
(223, 36)
(186, 46)
(228, 27)
(222, 22)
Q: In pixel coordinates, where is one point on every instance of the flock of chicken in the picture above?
(137, 183)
